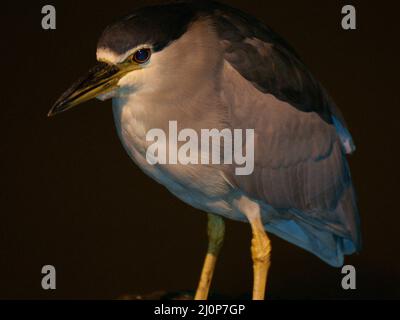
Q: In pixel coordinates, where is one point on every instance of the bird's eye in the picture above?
(141, 56)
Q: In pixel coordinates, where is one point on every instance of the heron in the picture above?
(204, 64)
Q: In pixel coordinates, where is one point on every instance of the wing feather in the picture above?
(300, 167)
(300, 138)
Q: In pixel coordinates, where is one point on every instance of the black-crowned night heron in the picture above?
(203, 65)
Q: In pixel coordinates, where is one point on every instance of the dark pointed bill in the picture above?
(100, 79)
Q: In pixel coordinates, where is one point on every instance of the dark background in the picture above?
(71, 197)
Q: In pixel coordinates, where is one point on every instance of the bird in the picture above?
(207, 65)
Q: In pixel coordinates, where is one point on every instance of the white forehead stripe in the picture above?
(104, 54)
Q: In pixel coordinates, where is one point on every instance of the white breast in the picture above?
(201, 186)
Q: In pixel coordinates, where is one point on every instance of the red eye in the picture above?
(141, 56)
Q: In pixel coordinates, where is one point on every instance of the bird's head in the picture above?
(140, 50)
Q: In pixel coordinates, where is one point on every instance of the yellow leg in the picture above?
(260, 246)
(216, 231)
(261, 252)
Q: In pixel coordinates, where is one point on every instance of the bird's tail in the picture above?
(329, 241)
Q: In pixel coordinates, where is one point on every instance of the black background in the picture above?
(71, 197)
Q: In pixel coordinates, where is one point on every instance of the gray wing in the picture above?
(266, 60)
(300, 138)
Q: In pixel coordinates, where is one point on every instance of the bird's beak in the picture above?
(100, 79)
